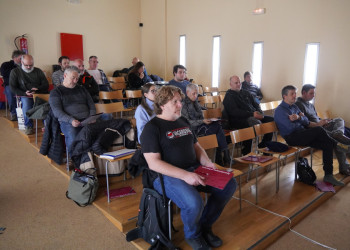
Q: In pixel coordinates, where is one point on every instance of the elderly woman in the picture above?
(145, 111)
(192, 111)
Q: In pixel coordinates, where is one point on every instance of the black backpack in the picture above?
(305, 172)
(153, 220)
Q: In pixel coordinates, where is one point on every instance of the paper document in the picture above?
(117, 154)
(90, 119)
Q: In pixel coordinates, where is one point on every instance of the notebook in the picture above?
(117, 154)
(214, 177)
(257, 158)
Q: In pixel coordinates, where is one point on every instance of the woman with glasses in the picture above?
(145, 111)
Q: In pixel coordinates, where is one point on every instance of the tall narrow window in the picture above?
(311, 63)
(183, 50)
(216, 61)
(257, 62)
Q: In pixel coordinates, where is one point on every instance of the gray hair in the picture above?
(192, 86)
(71, 69)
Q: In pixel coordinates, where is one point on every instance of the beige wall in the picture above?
(109, 28)
(285, 29)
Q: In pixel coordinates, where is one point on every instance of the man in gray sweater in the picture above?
(71, 104)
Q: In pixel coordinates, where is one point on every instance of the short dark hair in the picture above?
(178, 66)
(17, 53)
(287, 88)
(307, 87)
(61, 58)
(92, 57)
(246, 73)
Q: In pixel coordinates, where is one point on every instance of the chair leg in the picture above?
(67, 160)
(240, 194)
(256, 185)
(169, 218)
(107, 183)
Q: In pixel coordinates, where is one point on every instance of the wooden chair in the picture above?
(110, 108)
(267, 106)
(211, 142)
(270, 127)
(118, 85)
(134, 95)
(207, 99)
(111, 95)
(211, 90)
(45, 97)
(119, 79)
(249, 134)
(212, 113)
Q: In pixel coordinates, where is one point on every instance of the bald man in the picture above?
(86, 80)
(24, 82)
(243, 111)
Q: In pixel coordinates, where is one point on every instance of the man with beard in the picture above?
(24, 82)
(57, 76)
(6, 69)
(86, 80)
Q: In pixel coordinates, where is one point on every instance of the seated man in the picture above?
(335, 127)
(171, 149)
(71, 104)
(251, 87)
(98, 74)
(297, 130)
(57, 76)
(243, 111)
(86, 80)
(24, 82)
(179, 81)
(5, 70)
(192, 111)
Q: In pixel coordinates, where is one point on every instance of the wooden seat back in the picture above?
(208, 141)
(212, 113)
(133, 93)
(45, 97)
(118, 85)
(241, 135)
(109, 108)
(110, 95)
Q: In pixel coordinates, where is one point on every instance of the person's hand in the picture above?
(210, 165)
(207, 121)
(258, 115)
(34, 89)
(142, 75)
(193, 179)
(301, 114)
(29, 93)
(75, 123)
(323, 122)
(293, 117)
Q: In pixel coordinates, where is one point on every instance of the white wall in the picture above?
(109, 28)
(285, 29)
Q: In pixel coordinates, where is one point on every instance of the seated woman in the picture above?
(192, 111)
(145, 111)
(137, 77)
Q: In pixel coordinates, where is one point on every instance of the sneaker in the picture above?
(198, 244)
(13, 117)
(29, 131)
(211, 239)
(330, 179)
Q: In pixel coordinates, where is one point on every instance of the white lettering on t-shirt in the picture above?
(179, 132)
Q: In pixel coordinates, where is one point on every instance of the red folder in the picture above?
(121, 192)
(214, 177)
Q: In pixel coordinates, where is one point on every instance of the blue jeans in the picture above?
(11, 99)
(70, 133)
(193, 213)
(27, 104)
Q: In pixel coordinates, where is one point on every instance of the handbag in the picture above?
(82, 187)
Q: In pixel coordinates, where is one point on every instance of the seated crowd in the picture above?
(169, 120)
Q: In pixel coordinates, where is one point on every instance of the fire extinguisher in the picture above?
(23, 43)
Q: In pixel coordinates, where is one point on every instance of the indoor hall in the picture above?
(111, 30)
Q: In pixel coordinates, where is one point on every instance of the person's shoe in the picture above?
(29, 131)
(330, 179)
(343, 148)
(198, 244)
(211, 239)
(13, 117)
(340, 137)
(345, 170)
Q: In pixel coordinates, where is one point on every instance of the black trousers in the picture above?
(316, 137)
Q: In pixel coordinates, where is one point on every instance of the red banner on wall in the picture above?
(72, 46)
